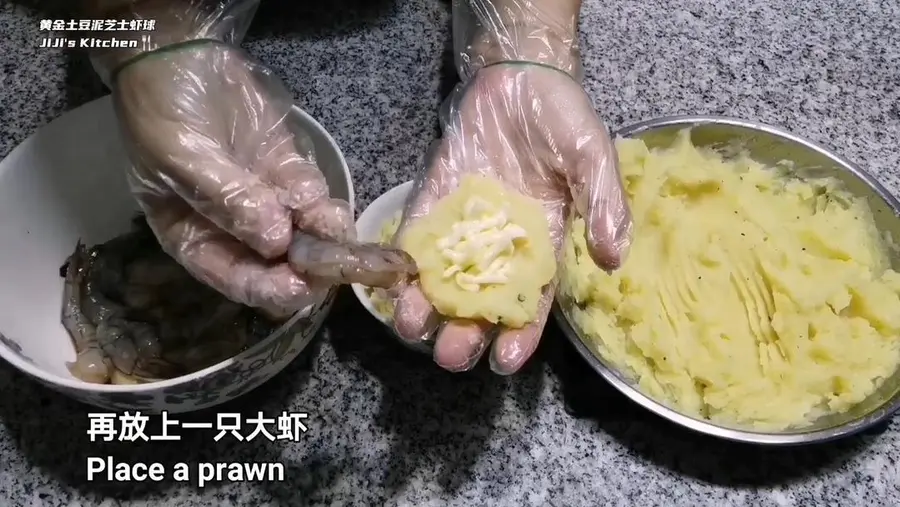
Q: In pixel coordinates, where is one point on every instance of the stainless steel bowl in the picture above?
(768, 145)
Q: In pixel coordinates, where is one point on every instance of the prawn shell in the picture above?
(369, 264)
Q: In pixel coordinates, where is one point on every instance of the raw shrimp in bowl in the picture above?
(135, 315)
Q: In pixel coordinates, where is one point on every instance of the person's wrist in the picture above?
(173, 23)
(161, 23)
(522, 43)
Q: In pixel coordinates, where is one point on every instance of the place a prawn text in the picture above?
(107, 468)
(133, 427)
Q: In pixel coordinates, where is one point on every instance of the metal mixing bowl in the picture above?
(768, 145)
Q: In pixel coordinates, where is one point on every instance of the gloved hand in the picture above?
(221, 178)
(520, 116)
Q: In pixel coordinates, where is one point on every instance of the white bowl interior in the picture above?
(64, 183)
(368, 228)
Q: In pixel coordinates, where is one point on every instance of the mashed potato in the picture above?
(748, 298)
(483, 252)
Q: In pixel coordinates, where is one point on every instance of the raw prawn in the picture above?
(369, 264)
(135, 315)
(90, 364)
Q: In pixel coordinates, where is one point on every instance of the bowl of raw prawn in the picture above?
(65, 186)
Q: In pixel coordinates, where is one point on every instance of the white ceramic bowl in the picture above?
(66, 182)
(368, 228)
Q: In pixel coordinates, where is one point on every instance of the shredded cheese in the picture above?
(480, 246)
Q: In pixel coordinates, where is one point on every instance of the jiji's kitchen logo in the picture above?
(87, 42)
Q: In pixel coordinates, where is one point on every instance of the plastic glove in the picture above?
(221, 178)
(520, 117)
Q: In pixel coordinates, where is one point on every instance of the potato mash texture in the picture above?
(484, 253)
(748, 298)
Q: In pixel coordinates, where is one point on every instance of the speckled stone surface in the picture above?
(387, 427)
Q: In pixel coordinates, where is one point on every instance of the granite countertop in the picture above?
(386, 426)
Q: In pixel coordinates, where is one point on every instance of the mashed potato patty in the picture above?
(748, 298)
